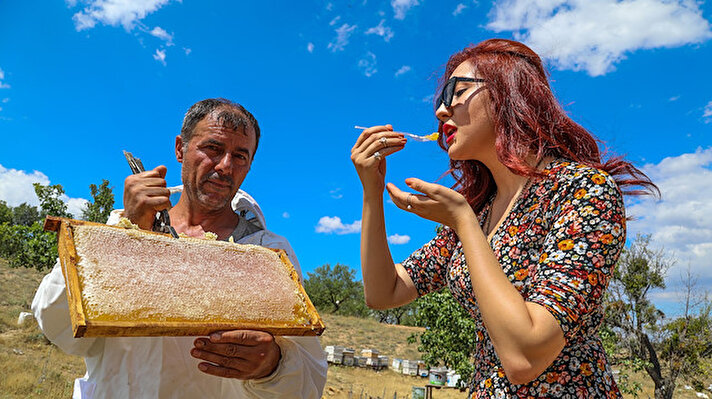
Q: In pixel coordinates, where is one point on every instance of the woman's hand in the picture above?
(437, 203)
(369, 155)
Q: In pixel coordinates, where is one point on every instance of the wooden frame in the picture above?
(83, 326)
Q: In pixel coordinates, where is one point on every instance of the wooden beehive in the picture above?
(124, 282)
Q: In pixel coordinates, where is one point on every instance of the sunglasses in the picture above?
(449, 90)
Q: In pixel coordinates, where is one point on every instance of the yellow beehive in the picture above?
(124, 282)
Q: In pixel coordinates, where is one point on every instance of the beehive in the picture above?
(123, 282)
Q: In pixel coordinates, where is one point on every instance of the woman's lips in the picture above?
(449, 131)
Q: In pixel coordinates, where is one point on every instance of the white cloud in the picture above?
(336, 193)
(673, 98)
(401, 7)
(2, 84)
(285, 215)
(594, 35)
(342, 37)
(75, 206)
(5, 100)
(160, 56)
(428, 99)
(368, 64)
(187, 50)
(163, 35)
(115, 12)
(397, 239)
(707, 112)
(16, 188)
(335, 20)
(381, 30)
(402, 70)
(682, 221)
(333, 224)
(459, 9)
(310, 47)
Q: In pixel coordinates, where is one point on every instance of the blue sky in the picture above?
(82, 80)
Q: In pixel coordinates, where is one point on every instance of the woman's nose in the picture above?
(443, 112)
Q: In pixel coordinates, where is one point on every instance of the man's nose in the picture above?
(225, 164)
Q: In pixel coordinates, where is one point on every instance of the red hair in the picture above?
(528, 120)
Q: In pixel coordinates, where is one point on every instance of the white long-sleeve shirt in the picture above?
(161, 367)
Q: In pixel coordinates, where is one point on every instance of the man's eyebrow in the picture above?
(212, 141)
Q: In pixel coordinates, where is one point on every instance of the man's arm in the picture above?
(51, 310)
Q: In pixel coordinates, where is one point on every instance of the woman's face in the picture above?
(467, 126)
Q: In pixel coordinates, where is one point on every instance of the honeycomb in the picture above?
(130, 275)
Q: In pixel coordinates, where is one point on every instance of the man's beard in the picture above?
(209, 201)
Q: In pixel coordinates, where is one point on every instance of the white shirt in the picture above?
(161, 367)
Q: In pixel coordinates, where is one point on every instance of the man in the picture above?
(216, 147)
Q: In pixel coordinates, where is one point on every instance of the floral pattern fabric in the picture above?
(558, 247)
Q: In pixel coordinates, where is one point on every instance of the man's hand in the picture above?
(241, 354)
(144, 195)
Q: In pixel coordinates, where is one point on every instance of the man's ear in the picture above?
(179, 149)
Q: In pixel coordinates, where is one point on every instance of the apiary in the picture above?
(334, 354)
(348, 357)
(127, 282)
(409, 367)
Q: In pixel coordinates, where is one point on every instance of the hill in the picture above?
(31, 367)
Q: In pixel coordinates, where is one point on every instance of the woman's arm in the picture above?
(526, 337)
(386, 284)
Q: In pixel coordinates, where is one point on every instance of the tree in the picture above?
(28, 246)
(25, 215)
(5, 213)
(450, 337)
(50, 200)
(334, 290)
(102, 203)
(664, 349)
(402, 315)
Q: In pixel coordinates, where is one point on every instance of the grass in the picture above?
(31, 367)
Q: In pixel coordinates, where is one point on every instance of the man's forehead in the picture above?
(228, 119)
(215, 124)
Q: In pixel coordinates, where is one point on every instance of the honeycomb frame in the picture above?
(85, 325)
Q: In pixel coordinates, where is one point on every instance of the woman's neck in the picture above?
(507, 182)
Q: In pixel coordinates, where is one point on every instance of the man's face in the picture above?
(215, 162)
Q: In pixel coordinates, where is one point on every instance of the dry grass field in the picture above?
(30, 367)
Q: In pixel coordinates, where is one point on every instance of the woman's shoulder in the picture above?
(574, 174)
(577, 182)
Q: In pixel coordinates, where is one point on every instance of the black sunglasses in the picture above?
(449, 89)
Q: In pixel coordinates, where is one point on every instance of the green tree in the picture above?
(25, 215)
(664, 349)
(334, 289)
(102, 203)
(404, 315)
(450, 337)
(28, 246)
(50, 200)
(5, 213)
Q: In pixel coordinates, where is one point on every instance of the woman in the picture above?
(531, 235)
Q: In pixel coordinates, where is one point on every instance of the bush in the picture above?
(28, 246)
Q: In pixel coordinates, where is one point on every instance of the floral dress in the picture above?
(558, 247)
